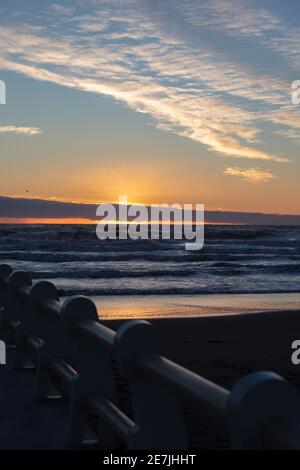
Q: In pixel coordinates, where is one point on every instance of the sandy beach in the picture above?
(183, 306)
(224, 348)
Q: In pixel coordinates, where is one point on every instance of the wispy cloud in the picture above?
(290, 134)
(231, 16)
(252, 175)
(20, 130)
(147, 59)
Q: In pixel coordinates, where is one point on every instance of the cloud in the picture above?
(231, 16)
(155, 63)
(253, 175)
(245, 20)
(20, 130)
(290, 134)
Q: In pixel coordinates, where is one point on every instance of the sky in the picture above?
(162, 101)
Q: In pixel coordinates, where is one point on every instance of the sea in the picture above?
(234, 260)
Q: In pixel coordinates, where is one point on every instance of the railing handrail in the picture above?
(185, 383)
(114, 417)
(96, 331)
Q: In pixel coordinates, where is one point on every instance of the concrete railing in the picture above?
(68, 346)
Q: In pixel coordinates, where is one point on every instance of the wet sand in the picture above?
(170, 306)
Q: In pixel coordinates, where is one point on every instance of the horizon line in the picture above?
(25, 209)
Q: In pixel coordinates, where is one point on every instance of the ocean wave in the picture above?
(170, 291)
(114, 273)
(272, 268)
(233, 260)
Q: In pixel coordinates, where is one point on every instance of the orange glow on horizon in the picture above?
(38, 221)
(70, 221)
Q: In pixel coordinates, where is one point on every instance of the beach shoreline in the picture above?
(185, 306)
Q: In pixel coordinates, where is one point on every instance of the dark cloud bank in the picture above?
(38, 208)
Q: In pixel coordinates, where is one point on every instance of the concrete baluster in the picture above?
(157, 411)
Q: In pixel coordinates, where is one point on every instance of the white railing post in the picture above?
(254, 402)
(47, 330)
(157, 412)
(18, 310)
(93, 363)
